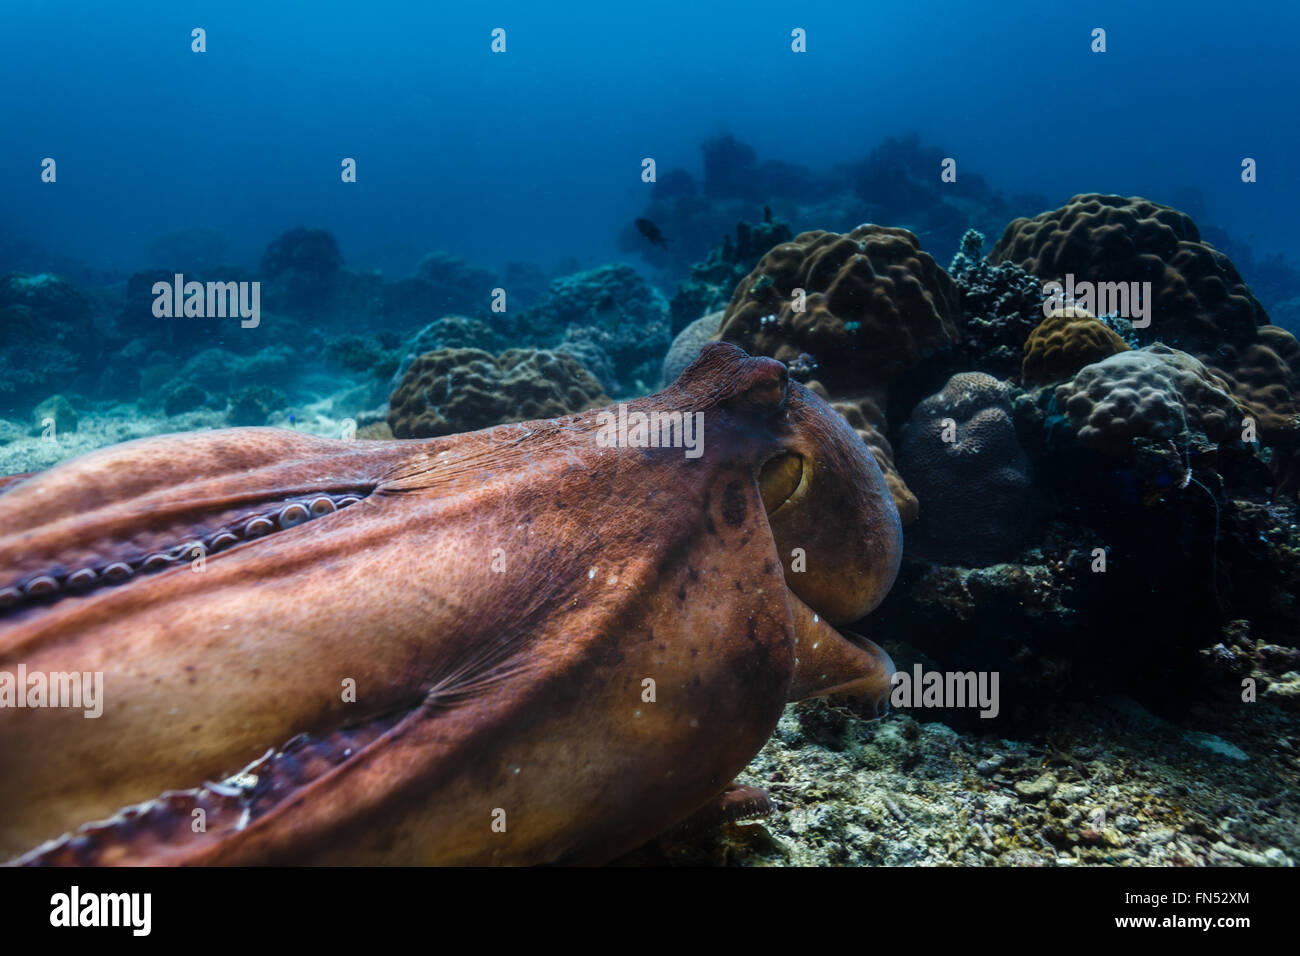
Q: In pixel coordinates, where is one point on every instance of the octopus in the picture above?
(521, 645)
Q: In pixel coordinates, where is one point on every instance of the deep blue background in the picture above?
(535, 154)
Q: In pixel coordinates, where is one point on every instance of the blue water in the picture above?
(535, 154)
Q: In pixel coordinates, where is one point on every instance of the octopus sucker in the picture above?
(55, 584)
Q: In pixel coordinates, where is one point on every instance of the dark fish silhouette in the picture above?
(651, 232)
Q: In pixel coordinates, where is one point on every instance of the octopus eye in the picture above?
(779, 479)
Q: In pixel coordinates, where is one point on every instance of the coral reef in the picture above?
(302, 266)
(63, 311)
(1002, 303)
(134, 320)
(253, 404)
(611, 295)
(455, 286)
(1065, 342)
(47, 338)
(525, 284)
(960, 456)
(378, 354)
(458, 390)
(196, 249)
(713, 281)
(185, 397)
(30, 364)
(1199, 302)
(900, 180)
(448, 332)
(309, 253)
(611, 319)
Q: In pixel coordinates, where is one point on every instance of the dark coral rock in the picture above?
(196, 249)
(900, 181)
(254, 404)
(184, 398)
(457, 286)
(377, 354)
(675, 183)
(457, 390)
(960, 456)
(310, 253)
(46, 338)
(180, 334)
(303, 267)
(30, 364)
(728, 168)
(525, 284)
(62, 311)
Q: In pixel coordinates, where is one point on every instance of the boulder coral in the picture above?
(1198, 298)
(1065, 342)
(1199, 302)
(460, 390)
(1153, 392)
(960, 456)
(873, 305)
(686, 346)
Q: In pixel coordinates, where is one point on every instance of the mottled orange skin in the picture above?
(620, 565)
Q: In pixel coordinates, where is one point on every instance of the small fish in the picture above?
(651, 232)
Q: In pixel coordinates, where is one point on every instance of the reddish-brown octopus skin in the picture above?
(559, 649)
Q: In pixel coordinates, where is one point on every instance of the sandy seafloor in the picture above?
(22, 451)
(1113, 785)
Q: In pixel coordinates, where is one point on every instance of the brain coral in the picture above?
(1065, 342)
(875, 304)
(1152, 392)
(456, 390)
(960, 455)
